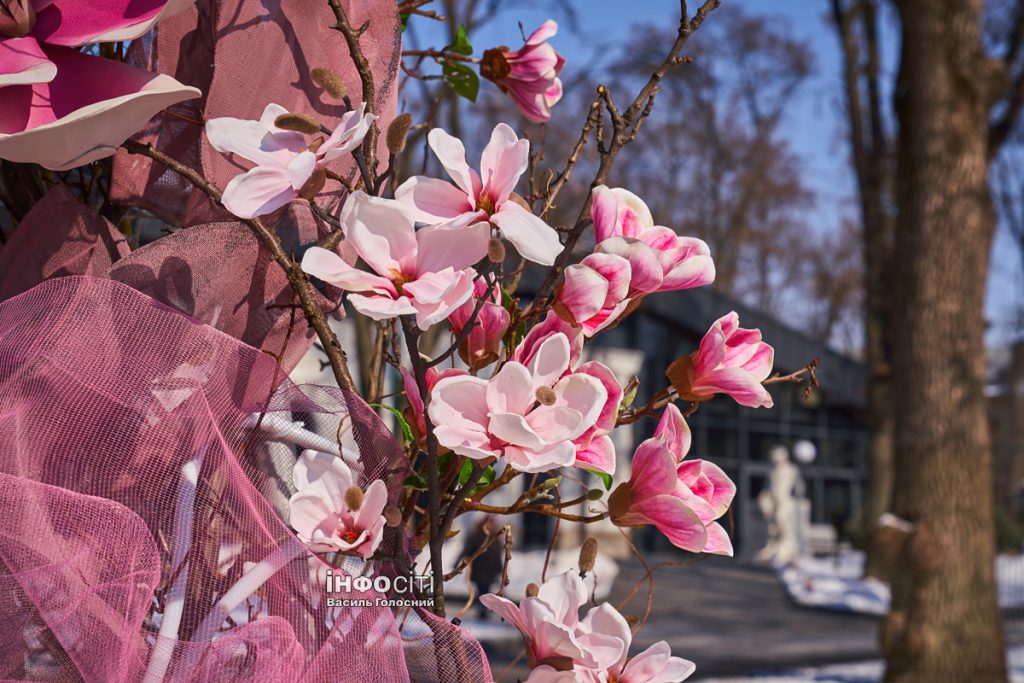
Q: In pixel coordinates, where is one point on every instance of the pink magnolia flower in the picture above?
(285, 160)
(654, 665)
(730, 360)
(529, 414)
(554, 635)
(530, 74)
(328, 515)
(423, 272)
(60, 107)
(660, 259)
(682, 498)
(485, 196)
(548, 621)
(481, 347)
(418, 420)
(594, 449)
(552, 324)
(595, 290)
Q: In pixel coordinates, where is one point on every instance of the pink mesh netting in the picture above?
(244, 55)
(59, 236)
(138, 541)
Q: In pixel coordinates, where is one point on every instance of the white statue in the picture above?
(779, 506)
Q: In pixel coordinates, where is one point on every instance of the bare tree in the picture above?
(945, 623)
(856, 23)
(717, 165)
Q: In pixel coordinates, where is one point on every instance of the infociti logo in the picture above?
(411, 583)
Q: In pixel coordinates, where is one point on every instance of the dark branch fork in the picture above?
(624, 127)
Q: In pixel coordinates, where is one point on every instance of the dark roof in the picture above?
(842, 378)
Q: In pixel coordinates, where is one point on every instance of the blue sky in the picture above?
(815, 121)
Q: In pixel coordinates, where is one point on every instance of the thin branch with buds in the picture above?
(297, 279)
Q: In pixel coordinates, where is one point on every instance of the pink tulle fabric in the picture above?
(137, 493)
(244, 55)
(108, 400)
(59, 236)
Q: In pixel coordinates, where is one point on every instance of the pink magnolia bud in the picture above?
(528, 75)
(482, 346)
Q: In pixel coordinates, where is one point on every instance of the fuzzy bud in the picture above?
(392, 516)
(312, 187)
(330, 82)
(588, 555)
(532, 590)
(354, 498)
(545, 396)
(496, 250)
(397, 132)
(632, 620)
(300, 123)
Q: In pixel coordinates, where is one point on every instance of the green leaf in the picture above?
(466, 471)
(486, 478)
(406, 429)
(520, 333)
(461, 45)
(404, 19)
(416, 481)
(606, 479)
(461, 79)
(629, 397)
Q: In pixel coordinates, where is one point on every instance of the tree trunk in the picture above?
(944, 624)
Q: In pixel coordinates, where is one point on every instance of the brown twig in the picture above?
(369, 91)
(508, 560)
(623, 128)
(548, 510)
(293, 271)
(810, 370)
(467, 562)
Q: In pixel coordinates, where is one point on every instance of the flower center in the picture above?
(398, 279)
(349, 535)
(485, 204)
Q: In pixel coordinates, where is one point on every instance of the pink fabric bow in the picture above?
(682, 498)
(730, 360)
(424, 273)
(485, 196)
(528, 75)
(62, 108)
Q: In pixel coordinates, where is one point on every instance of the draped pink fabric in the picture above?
(141, 541)
(130, 479)
(244, 55)
(59, 236)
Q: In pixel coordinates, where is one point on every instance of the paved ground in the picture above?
(735, 619)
